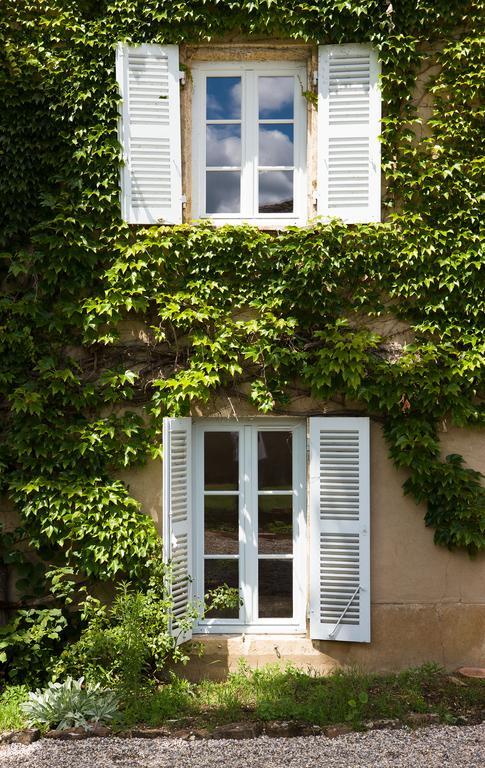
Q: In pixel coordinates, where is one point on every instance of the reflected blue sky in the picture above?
(223, 98)
(276, 98)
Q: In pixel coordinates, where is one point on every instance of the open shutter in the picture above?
(349, 109)
(177, 515)
(151, 186)
(339, 529)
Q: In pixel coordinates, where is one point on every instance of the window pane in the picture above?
(275, 589)
(275, 461)
(276, 191)
(223, 145)
(275, 145)
(276, 96)
(223, 192)
(218, 573)
(223, 98)
(221, 525)
(275, 525)
(221, 461)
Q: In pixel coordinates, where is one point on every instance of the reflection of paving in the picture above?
(226, 543)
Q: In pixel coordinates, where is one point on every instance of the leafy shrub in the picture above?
(30, 643)
(11, 716)
(69, 704)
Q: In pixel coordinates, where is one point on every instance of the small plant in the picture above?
(70, 704)
(11, 699)
(355, 706)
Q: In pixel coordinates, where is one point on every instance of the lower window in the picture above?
(249, 505)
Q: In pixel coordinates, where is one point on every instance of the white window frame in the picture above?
(249, 71)
(248, 555)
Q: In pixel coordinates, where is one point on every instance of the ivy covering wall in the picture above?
(228, 307)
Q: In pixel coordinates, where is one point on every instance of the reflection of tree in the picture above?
(286, 206)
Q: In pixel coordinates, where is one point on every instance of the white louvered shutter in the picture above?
(151, 186)
(177, 515)
(339, 529)
(349, 110)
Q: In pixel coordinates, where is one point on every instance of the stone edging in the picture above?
(241, 730)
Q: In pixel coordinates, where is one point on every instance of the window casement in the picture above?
(249, 498)
(234, 500)
(249, 143)
(249, 140)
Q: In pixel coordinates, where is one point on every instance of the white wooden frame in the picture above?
(249, 71)
(248, 555)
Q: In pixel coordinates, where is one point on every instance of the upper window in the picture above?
(249, 143)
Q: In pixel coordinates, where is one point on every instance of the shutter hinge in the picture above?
(182, 77)
(315, 77)
(183, 199)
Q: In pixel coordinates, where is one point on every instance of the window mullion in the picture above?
(249, 145)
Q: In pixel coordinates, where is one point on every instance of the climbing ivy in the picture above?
(228, 310)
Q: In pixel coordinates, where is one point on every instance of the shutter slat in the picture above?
(151, 186)
(339, 529)
(177, 516)
(348, 129)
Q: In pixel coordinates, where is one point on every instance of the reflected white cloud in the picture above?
(223, 145)
(276, 145)
(275, 191)
(223, 192)
(276, 95)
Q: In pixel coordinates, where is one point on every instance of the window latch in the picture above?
(182, 77)
(315, 77)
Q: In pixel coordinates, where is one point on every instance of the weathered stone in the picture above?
(417, 719)
(456, 680)
(311, 730)
(27, 736)
(472, 671)
(150, 733)
(377, 725)
(201, 733)
(181, 733)
(70, 734)
(237, 731)
(340, 729)
(100, 731)
(6, 736)
(282, 728)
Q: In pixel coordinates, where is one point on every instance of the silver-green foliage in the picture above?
(70, 704)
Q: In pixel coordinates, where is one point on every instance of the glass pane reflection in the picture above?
(275, 461)
(276, 97)
(221, 525)
(275, 145)
(276, 191)
(223, 98)
(223, 145)
(221, 461)
(275, 525)
(223, 191)
(275, 589)
(218, 573)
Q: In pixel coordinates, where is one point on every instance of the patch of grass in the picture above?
(271, 693)
(11, 718)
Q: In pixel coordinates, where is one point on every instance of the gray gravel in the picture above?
(434, 747)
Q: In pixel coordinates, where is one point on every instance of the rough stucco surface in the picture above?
(428, 604)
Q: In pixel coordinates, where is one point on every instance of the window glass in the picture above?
(217, 573)
(275, 145)
(275, 525)
(223, 100)
(221, 525)
(275, 589)
(221, 461)
(275, 461)
(223, 190)
(276, 97)
(275, 191)
(223, 145)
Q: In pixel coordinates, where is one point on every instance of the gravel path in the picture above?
(434, 747)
